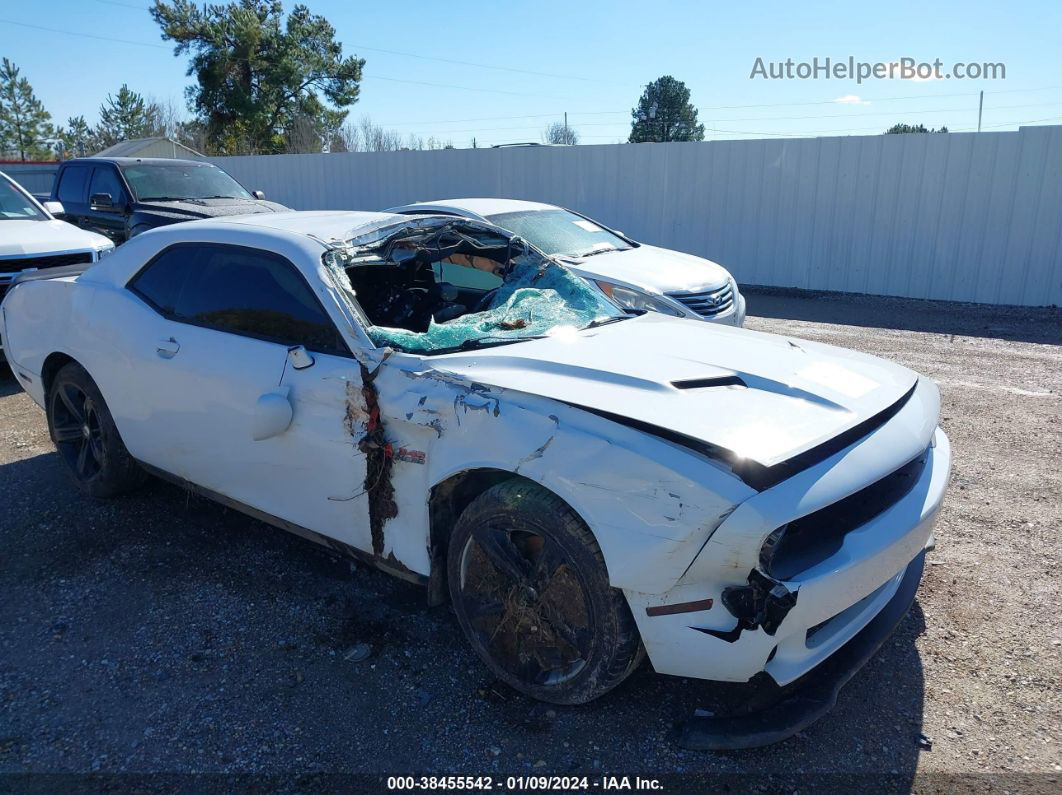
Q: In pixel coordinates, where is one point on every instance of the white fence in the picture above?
(962, 216)
(34, 177)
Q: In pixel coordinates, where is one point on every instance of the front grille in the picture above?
(707, 303)
(19, 264)
(811, 539)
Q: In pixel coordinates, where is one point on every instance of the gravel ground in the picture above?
(163, 633)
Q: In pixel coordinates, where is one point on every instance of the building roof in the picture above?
(147, 146)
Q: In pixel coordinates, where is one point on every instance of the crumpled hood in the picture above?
(796, 394)
(651, 268)
(28, 238)
(208, 208)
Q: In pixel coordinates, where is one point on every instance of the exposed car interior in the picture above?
(407, 286)
(443, 284)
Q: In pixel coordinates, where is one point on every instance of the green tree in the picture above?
(25, 126)
(900, 128)
(77, 137)
(260, 77)
(125, 117)
(664, 113)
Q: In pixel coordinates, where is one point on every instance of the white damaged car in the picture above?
(587, 487)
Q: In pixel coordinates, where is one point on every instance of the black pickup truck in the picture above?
(120, 197)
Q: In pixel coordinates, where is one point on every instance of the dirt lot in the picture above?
(160, 632)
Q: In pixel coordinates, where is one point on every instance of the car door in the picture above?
(216, 407)
(108, 205)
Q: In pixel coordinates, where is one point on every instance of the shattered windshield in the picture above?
(455, 285)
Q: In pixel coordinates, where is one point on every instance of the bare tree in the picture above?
(559, 133)
(375, 138)
(367, 136)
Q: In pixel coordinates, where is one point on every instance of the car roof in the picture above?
(132, 161)
(483, 207)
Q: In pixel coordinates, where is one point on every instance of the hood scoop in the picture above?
(709, 382)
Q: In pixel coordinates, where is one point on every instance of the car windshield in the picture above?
(560, 232)
(407, 284)
(181, 181)
(16, 205)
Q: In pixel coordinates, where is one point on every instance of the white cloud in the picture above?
(851, 99)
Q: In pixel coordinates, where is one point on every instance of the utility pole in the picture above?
(566, 127)
(980, 107)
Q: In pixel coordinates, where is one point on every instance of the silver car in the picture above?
(635, 275)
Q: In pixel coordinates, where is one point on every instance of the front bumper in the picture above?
(777, 713)
(837, 595)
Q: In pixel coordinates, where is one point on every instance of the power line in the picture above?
(238, 58)
(462, 88)
(124, 5)
(84, 35)
(474, 64)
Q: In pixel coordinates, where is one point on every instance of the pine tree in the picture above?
(664, 113)
(125, 117)
(901, 128)
(25, 126)
(260, 73)
(77, 138)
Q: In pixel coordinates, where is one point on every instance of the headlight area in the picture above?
(635, 300)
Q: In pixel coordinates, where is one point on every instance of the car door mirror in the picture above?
(55, 208)
(102, 201)
(258, 194)
(299, 357)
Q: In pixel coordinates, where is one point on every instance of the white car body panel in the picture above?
(651, 269)
(674, 524)
(23, 241)
(36, 238)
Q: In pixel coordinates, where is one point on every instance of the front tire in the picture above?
(531, 593)
(86, 437)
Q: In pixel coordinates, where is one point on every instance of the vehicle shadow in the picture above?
(1013, 323)
(142, 611)
(8, 383)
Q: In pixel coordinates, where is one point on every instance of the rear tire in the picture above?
(531, 593)
(86, 437)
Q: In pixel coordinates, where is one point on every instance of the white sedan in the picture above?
(585, 486)
(636, 276)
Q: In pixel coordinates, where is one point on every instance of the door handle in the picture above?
(167, 349)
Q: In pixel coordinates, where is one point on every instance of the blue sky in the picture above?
(592, 59)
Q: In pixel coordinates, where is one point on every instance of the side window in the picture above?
(161, 282)
(105, 180)
(72, 184)
(241, 290)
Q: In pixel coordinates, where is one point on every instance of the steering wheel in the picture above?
(483, 304)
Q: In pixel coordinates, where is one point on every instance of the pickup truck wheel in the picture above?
(531, 593)
(84, 433)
